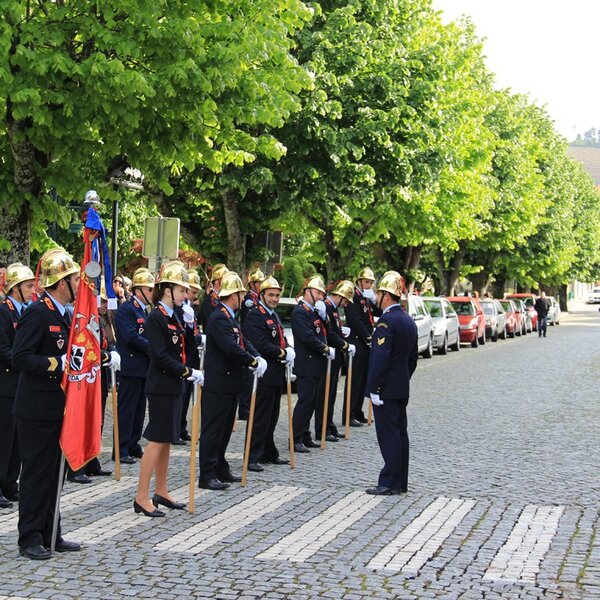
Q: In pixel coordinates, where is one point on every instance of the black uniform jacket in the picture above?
(393, 356)
(265, 332)
(335, 337)
(192, 357)
(41, 338)
(132, 344)
(228, 354)
(310, 341)
(251, 301)
(168, 340)
(359, 317)
(210, 302)
(9, 317)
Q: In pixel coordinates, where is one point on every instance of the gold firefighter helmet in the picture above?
(194, 280)
(255, 275)
(143, 278)
(174, 272)
(17, 273)
(315, 282)
(345, 289)
(366, 273)
(230, 284)
(270, 283)
(218, 271)
(56, 264)
(391, 282)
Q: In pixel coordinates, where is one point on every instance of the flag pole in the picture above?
(326, 403)
(196, 400)
(249, 426)
(290, 419)
(115, 409)
(59, 487)
(348, 394)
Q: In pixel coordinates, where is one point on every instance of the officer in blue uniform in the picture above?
(263, 328)
(228, 357)
(132, 346)
(360, 318)
(39, 354)
(312, 352)
(19, 289)
(392, 362)
(340, 296)
(211, 299)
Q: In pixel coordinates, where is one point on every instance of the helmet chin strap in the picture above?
(380, 301)
(148, 302)
(21, 293)
(312, 296)
(72, 294)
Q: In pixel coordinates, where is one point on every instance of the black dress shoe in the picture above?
(255, 467)
(179, 443)
(140, 509)
(79, 479)
(136, 453)
(309, 443)
(229, 477)
(66, 546)
(35, 553)
(300, 447)
(212, 484)
(362, 419)
(355, 423)
(12, 495)
(98, 472)
(381, 490)
(158, 499)
(186, 437)
(336, 433)
(276, 461)
(127, 460)
(5, 502)
(328, 438)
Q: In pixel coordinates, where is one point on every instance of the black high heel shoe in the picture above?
(158, 499)
(140, 509)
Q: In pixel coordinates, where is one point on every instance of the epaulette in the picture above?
(136, 303)
(305, 307)
(163, 310)
(49, 303)
(262, 309)
(10, 305)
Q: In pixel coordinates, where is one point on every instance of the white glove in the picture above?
(290, 355)
(369, 294)
(351, 349)
(331, 353)
(188, 314)
(115, 361)
(203, 340)
(346, 331)
(63, 362)
(376, 400)
(197, 377)
(261, 367)
(321, 309)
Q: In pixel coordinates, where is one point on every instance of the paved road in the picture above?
(503, 500)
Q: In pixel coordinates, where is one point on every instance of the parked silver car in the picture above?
(495, 319)
(418, 311)
(446, 332)
(553, 311)
(527, 324)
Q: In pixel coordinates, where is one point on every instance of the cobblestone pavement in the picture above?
(503, 500)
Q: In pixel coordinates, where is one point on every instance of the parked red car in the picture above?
(514, 319)
(529, 299)
(471, 319)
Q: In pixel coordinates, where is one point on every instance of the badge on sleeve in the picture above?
(249, 303)
(380, 341)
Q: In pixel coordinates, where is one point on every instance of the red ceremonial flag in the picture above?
(81, 435)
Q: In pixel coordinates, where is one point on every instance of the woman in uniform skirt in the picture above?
(169, 340)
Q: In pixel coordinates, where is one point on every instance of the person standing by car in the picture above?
(541, 307)
(392, 362)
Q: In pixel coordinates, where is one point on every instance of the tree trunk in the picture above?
(449, 275)
(499, 286)
(333, 262)
(16, 230)
(236, 242)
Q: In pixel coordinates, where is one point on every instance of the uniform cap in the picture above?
(345, 289)
(218, 271)
(143, 278)
(17, 273)
(56, 264)
(174, 272)
(315, 282)
(255, 275)
(366, 273)
(230, 284)
(391, 282)
(270, 283)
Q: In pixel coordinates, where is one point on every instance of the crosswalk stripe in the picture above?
(520, 557)
(322, 529)
(419, 540)
(88, 494)
(203, 535)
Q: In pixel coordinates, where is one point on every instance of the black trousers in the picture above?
(40, 455)
(185, 405)
(360, 367)
(10, 459)
(132, 410)
(308, 388)
(392, 436)
(266, 415)
(336, 366)
(244, 398)
(218, 416)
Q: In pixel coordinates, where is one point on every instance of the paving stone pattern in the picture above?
(503, 500)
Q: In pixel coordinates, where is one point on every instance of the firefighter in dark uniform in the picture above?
(312, 352)
(168, 340)
(339, 297)
(251, 299)
(39, 354)
(228, 356)
(211, 299)
(19, 289)
(132, 346)
(263, 328)
(359, 317)
(392, 362)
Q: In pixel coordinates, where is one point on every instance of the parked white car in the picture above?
(418, 311)
(446, 332)
(594, 296)
(553, 311)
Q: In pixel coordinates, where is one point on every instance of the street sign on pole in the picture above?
(161, 239)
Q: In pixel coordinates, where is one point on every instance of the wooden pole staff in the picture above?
(348, 394)
(249, 426)
(326, 403)
(196, 399)
(61, 478)
(115, 410)
(290, 419)
(370, 413)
